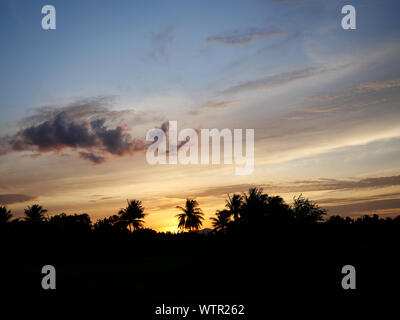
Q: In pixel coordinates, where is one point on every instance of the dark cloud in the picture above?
(246, 37)
(116, 141)
(55, 134)
(72, 127)
(95, 159)
(15, 198)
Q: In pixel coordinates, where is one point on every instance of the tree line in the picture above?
(252, 210)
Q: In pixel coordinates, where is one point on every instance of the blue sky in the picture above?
(135, 47)
(318, 96)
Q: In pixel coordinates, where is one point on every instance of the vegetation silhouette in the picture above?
(260, 246)
(35, 214)
(5, 215)
(222, 220)
(133, 215)
(191, 217)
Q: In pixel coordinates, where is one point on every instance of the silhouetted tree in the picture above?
(369, 220)
(110, 224)
(338, 220)
(234, 205)
(254, 205)
(5, 215)
(35, 214)
(133, 215)
(306, 211)
(191, 216)
(72, 223)
(221, 222)
(278, 212)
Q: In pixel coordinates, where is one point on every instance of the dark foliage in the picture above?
(260, 247)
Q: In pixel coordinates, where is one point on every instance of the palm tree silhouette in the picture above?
(35, 214)
(222, 220)
(133, 215)
(191, 216)
(234, 204)
(254, 205)
(5, 215)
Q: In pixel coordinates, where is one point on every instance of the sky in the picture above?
(76, 103)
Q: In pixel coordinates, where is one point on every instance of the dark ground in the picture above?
(304, 262)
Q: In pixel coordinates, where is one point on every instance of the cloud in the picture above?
(387, 206)
(275, 80)
(333, 184)
(341, 106)
(77, 127)
(15, 198)
(95, 159)
(356, 97)
(304, 186)
(241, 38)
(79, 109)
(212, 105)
(116, 141)
(54, 134)
(104, 199)
(379, 85)
(88, 109)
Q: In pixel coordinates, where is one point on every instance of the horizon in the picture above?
(77, 101)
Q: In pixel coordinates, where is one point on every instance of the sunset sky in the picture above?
(76, 103)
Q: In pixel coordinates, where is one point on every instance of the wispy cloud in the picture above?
(212, 105)
(104, 198)
(379, 85)
(303, 186)
(242, 38)
(275, 80)
(385, 206)
(15, 198)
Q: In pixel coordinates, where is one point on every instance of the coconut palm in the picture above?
(220, 223)
(35, 214)
(191, 217)
(133, 215)
(234, 204)
(254, 205)
(5, 215)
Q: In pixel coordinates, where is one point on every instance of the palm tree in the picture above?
(220, 223)
(35, 214)
(234, 205)
(5, 215)
(254, 205)
(191, 216)
(133, 215)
